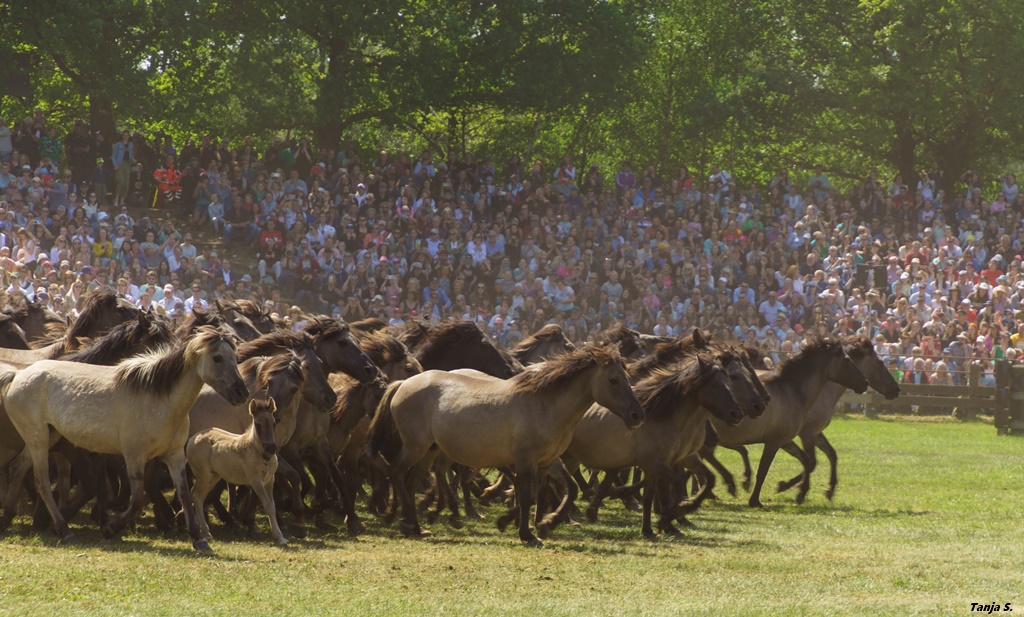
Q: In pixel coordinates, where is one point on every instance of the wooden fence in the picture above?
(1005, 401)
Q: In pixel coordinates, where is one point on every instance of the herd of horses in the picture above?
(243, 411)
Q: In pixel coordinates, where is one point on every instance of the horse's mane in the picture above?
(662, 390)
(252, 309)
(382, 348)
(414, 333)
(96, 301)
(265, 368)
(326, 327)
(857, 343)
(546, 376)
(622, 336)
(156, 372)
(272, 344)
(110, 348)
(198, 318)
(529, 344)
(370, 324)
(805, 360)
(349, 394)
(446, 334)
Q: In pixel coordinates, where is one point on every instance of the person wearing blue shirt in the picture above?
(122, 156)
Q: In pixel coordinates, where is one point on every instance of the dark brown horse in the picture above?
(542, 345)
(456, 345)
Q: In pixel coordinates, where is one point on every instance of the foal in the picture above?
(249, 459)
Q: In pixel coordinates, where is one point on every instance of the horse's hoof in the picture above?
(283, 543)
(632, 504)
(746, 484)
(504, 520)
(591, 515)
(455, 522)
(650, 535)
(298, 531)
(800, 498)
(202, 546)
(533, 542)
(782, 487)
(69, 539)
(544, 530)
(356, 527)
(732, 490)
(687, 507)
(828, 495)
(413, 531)
(108, 531)
(755, 503)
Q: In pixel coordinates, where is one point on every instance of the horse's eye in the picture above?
(217, 359)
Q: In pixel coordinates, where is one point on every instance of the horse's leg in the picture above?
(785, 485)
(137, 481)
(558, 472)
(289, 462)
(767, 456)
(63, 467)
(598, 494)
(706, 480)
(265, 493)
(651, 479)
(205, 481)
(322, 452)
(709, 455)
(833, 460)
(175, 462)
(747, 470)
(500, 485)
(41, 468)
(526, 487)
(467, 479)
(807, 462)
(163, 514)
(19, 467)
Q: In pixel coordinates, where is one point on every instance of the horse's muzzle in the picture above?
(634, 419)
(239, 394)
(893, 394)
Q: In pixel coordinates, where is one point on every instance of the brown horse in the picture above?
(818, 417)
(794, 386)
(455, 345)
(36, 319)
(258, 314)
(481, 422)
(625, 338)
(677, 403)
(543, 344)
(11, 334)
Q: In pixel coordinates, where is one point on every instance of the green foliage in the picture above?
(753, 84)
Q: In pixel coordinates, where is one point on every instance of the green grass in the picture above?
(928, 518)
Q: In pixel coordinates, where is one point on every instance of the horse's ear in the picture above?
(252, 407)
(143, 318)
(603, 358)
(702, 364)
(195, 311)
(700, 340)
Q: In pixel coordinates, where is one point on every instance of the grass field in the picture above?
(929, 517)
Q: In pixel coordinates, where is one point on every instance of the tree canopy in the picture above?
(756, 85)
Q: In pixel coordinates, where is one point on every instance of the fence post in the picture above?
(973, 381)
(1001, 414)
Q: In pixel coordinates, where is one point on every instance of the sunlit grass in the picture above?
(928, 518)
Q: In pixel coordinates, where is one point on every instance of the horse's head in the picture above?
(862, 352)
(611, 388)
(317, 391)
(213, 351)
(283, 377)
(237, 321)
(464, 345)
(264, 419)
(746, 387)
(715, 392)
(339, 350)
(11, 334)
(842, 370)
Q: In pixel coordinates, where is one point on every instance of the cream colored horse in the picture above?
(248, 459)
(138, 408)
(482, 421)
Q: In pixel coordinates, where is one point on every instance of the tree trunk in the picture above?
(329, 123)
(903, 154)
(101, 116)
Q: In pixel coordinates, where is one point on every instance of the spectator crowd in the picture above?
(929, 267)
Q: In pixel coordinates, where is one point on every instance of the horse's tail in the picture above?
(6, 377)
(383, 439)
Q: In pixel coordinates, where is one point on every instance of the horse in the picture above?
(138, 408)
(819, 416)
(357, 402)
(101, 312)
(542, 345)
(36, 319)
(239, 325)
(455, 345)
(481, 421)
(677, 403)
(793, 386)
(11, 334)
(625, 338)
(247, 459)
(210, 412)
(258, 314)
(368, 325)
(648, 342)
